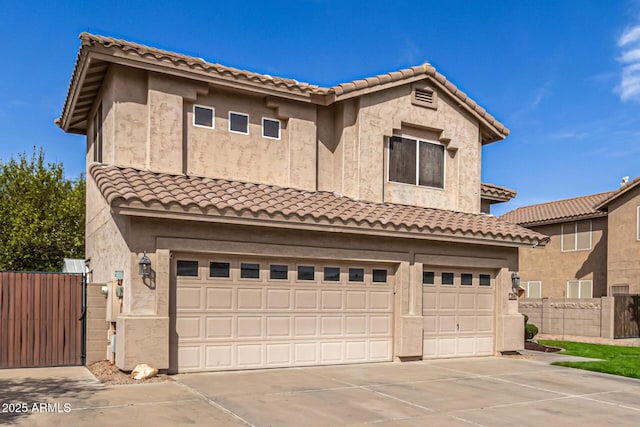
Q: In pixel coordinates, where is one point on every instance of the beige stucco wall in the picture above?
(624, 246)
(554, 267)
(97, 326)
(148, 123)
(144, 328)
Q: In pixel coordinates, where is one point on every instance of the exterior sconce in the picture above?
(145, 265)
(515, 282)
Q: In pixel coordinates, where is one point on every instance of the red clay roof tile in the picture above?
(124, 186)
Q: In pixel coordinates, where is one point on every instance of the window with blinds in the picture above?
(416, 162)
(576, 236)
(580, 289)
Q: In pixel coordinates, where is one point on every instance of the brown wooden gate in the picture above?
(40, 319)
(626, 323)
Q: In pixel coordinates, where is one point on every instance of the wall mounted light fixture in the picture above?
(145, 265)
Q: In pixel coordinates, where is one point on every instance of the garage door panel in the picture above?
(485, 302)
(249, 299)
(467, 301)
(446, 323)
(249, 327)
(306, 299)
(380, 325)
(230, 323)
(447, 301)
(190, 298)
(331, 300)
(218, 299)
(278, 299)
(356, 325)
(278, 354)
(248, 355)
(485, 324)
(219, 356)
(188, 328)
(430, 324)
(484, 346)
(356, 300)
(465, 346)
(467, 323)
(278, 326)
(219, 327)
(429, 302)
(447, 347)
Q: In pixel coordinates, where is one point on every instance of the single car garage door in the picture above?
(458, 310)
(247, 313)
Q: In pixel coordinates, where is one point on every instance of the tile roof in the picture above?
(143, 189)
(277, 83)
(558, 211)
(619, 192)
(496, 192)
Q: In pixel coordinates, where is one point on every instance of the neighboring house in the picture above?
(594, 247)
(289, 224)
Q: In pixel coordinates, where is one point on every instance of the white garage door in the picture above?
(458, 310)
(248, 313)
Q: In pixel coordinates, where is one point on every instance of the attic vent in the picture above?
(425, 97)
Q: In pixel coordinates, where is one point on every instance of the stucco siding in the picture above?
(624, 246)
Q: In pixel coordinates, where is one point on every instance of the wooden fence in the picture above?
(41, 319)
(627, 316)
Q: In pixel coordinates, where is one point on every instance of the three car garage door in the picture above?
(234, 313)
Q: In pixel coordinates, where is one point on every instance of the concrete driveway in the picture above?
(480, 391)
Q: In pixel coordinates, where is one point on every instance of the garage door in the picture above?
(458, 310)
(256, 313)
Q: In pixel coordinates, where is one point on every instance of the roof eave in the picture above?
(561, 220)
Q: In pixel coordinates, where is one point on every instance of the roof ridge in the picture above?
(560, 200)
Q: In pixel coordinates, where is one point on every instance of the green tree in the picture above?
(41, 214)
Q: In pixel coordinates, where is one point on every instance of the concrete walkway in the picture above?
(490, 391)
(625, 342)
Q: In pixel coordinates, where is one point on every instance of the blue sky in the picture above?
(564, 76)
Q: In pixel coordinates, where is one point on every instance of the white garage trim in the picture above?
(226, 323)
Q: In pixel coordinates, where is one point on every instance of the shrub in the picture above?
(530, 331)
(526, 318)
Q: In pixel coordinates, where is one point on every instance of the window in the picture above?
(533, 289)
(238, 123)
(428, 277)
(620, 289)
(203, 116)
(580, 289)
(187, 268)
(306, 272)
(485, 280)
(219, 269)
(270, 128)
(97, 135)
(249, 271)
(356, 274)
(576, 236)
(466, 279)
(278, 272)
(379, 276)
(416, 162)
(447, 278)
(332, 274)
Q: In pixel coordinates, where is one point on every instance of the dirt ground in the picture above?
(109, 374)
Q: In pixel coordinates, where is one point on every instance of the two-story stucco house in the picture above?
(594, 245)
(289, 224)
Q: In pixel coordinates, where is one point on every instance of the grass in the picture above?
(616, 360)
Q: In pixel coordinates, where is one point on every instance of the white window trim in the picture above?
(417, 140)
(239, 114)
(580, 287)
(213, 116)
(279, 128)
(526, 285)
(575, 238)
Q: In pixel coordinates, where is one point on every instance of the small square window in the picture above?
(278, 272)
(379, 276)
(485, 280)
(219, 269)
(249, 271)
(239, 123)
(466, 279)
(332, 274)
(187, 268)
(203, 116)
(447, 278)
(306, 272)
(428, 277)
(356, 274)
(271, 128)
